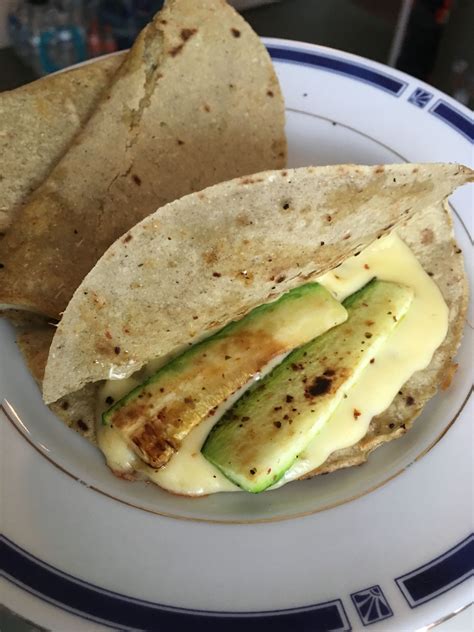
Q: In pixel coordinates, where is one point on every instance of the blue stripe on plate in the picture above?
(454, 118)
(96, 604)
(439, 575)
(446, 112)
(339, 66)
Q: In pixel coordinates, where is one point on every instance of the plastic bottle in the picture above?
(70, 42)
(40, 35)
(18, 32)
(94, 42)
(110, 45)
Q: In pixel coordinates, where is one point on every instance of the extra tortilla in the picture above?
(195, 102)
(430, 236)
(211, 257)
(38, 123)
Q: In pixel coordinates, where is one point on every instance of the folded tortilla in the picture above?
(195, 102)
(38, 123)
(430, 236)
(211, 257)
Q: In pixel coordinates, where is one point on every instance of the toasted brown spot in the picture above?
(380, 169)
(187, 33)
(179, 141)
(449, 375)
(289, 399)
(136, 179)
(127, 239)
(270, 93)
(253, 471)
(82, 425)
(176, 50)
(65, 405)
(108, 335)
(216, 274)
(409, 400)
(116, 350)
(277, 424)
(235, 32)
(206, 107)
(427, 236)
(356, 413)
(210, 256)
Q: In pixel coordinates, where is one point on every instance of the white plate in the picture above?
(131, 556)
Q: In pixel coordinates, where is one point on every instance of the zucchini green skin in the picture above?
(155, 417)
(261, 436)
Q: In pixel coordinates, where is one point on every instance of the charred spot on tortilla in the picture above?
(187, 33)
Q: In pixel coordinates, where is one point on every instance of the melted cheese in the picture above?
(409, 349)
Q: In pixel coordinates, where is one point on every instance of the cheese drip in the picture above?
(409, 349)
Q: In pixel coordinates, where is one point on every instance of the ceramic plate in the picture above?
(388, 544)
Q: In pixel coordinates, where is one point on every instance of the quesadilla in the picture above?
(195, 102)
(249, 243)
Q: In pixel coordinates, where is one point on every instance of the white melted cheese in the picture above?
(409, 349)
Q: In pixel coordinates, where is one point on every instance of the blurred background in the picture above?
(430, 39)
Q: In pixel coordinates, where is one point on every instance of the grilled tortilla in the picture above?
(211, 257)
(195, 102)
(430, 236)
